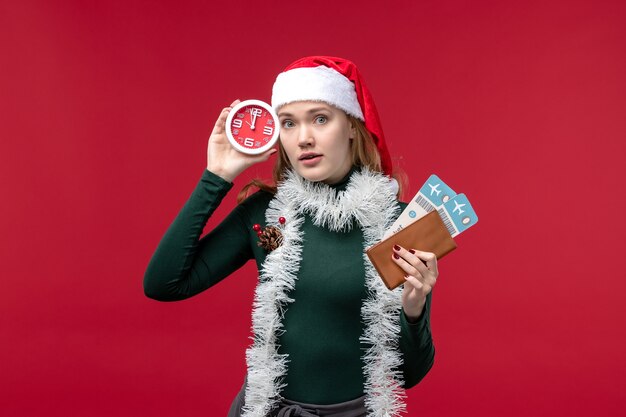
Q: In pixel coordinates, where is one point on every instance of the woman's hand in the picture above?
(421, 276)
(222, 158)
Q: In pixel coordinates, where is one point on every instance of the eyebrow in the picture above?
(313, 110)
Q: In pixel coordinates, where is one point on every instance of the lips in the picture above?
(310, 159)
(308, 155)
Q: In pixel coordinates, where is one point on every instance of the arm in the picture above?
(184, 265)
(416, 345)
(416, 341)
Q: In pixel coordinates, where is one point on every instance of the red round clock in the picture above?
(252, 127)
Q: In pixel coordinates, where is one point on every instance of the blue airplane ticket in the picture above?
(455, 210)
(433, 194)
(458, 215)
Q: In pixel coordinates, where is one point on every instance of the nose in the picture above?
(305, 136)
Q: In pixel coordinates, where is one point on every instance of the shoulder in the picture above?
(256, 203)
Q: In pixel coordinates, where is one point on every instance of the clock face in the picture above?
(252, 127)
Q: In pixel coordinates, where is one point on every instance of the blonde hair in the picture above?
(364, 153)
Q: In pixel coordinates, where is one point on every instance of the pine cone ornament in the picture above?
(270, 238)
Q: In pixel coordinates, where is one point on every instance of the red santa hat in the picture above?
(335, 81)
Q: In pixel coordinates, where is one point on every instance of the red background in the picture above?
(105, 112)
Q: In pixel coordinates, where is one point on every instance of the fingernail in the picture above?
(396, 247)
(412, 251)
(396, 256)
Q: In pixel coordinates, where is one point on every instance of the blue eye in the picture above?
(321, 119)
(288, 124)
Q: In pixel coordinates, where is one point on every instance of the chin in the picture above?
(312, 178)
(312, 175)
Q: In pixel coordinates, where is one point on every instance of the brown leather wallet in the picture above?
(427, 234)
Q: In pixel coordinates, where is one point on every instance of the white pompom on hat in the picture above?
(335, 81)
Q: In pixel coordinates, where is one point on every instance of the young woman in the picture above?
(329, 338)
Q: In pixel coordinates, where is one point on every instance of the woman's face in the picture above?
(316, 137)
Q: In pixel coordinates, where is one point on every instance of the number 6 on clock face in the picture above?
(252, 127)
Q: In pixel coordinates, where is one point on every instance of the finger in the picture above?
(410, 257)
(220, 123)
(428, 275)
(234, 103)
(414, 282)
(406, 266)
(271, 152)
(266, 155)
(430, 259)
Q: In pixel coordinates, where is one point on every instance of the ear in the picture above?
(352, 130)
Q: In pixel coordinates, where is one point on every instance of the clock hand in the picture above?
(253, 121)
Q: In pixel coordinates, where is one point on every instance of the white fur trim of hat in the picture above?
(316, 84)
